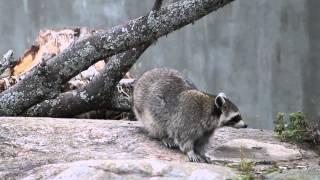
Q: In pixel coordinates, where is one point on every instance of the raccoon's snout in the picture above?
(236, 122)
(240, 124)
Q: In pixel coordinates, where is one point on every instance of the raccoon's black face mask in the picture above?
(230, 115)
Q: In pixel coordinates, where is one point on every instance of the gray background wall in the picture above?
(263, 54)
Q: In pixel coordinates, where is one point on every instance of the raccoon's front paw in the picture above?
(169, 143)
(193, 157)
(203, 156)
(206, 159)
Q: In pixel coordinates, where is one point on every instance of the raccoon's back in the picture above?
(157, 91)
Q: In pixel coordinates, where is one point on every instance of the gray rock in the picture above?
(254, 150)
(296, 174)
(51, 148)
(130, 169)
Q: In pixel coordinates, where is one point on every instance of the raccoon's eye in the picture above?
(224, 108)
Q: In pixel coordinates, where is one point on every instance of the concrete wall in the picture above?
(263, 54)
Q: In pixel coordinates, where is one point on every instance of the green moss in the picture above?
(294, 129)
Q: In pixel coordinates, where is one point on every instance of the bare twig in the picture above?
(157, 5)
(7, 61)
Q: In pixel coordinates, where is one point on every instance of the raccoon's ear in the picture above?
(219, 101)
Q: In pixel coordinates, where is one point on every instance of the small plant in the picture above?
(272, 169)
(292, 130)
(279, 123)
(245, 168)
(245, 165)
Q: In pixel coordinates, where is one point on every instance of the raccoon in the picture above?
(174, 111)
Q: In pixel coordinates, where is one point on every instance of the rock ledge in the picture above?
(52, 148)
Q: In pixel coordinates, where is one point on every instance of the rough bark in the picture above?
(99, 93)
(122, 98)
(6, 61)
(45, 80)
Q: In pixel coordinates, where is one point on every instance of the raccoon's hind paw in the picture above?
(168, 142)
(193, 157)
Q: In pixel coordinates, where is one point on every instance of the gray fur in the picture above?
(174, 111)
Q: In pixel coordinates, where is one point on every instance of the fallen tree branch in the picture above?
(121, 104)
(45, 81)
(99, 93)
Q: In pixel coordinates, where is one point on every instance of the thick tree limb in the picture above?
(45, 80)
(99, 93)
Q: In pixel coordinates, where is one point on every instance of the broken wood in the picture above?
(76, 102)
(46, 80)
(98, 94)
(49, 43)
(120, 104)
